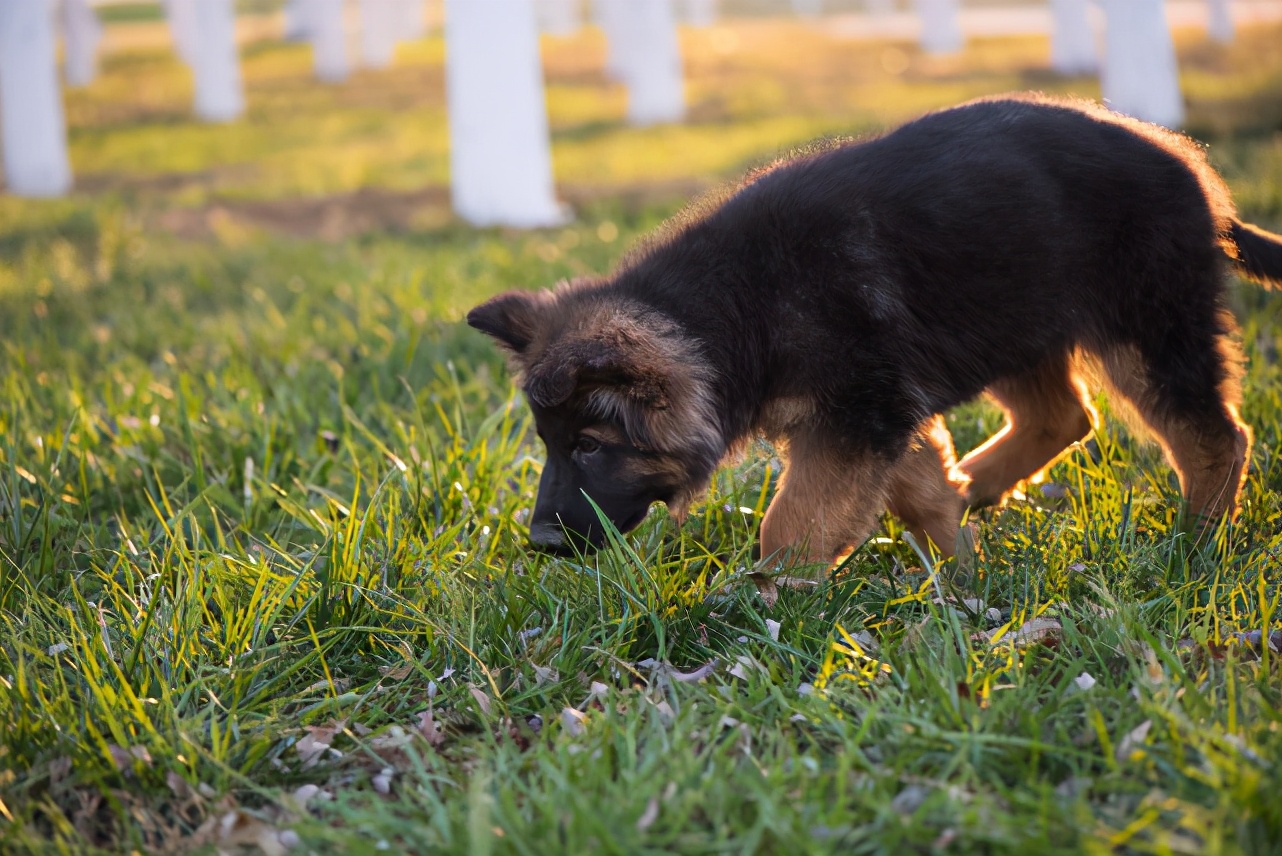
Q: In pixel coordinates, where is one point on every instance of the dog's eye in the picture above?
(587, 445)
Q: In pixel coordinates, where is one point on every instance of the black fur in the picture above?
(890, 279)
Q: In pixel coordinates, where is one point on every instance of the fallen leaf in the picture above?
(1036, 630)
(572, 721)
(649, 816)
(772, 627)
(545, 675)
(1084, 681)
(397, 673)
(429, 728)
(1131, 743)
(124, 758)
(482, 700)
(313, 745)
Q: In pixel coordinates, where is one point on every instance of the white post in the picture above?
(81, 33)
(296, 27)
(216, 63)
(940, 28)
(181, 15)
(329, 40)
(500, 155)
(409, 14)
(378, 32)
(33, 133)
(612, 17)
(1072, 40)
(656, 83)
(807, 8)
(558, 17)
(1140, 76)
(701, 13)
(1219, 26)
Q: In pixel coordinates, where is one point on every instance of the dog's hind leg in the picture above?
(827, 502)
(1190, 401)
(927, 492)
(1047, 410)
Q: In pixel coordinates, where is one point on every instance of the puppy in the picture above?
(839, 302)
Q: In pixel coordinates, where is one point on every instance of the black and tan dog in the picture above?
(839, 302)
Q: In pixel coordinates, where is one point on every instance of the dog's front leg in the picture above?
(828, 501)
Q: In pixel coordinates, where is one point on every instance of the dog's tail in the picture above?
(1259, 253)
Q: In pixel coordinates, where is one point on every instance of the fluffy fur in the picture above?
(840, 301)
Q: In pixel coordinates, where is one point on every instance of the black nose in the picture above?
(553, 538)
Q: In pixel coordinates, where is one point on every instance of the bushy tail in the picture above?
(1259, 253)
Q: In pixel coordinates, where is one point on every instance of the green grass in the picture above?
(262, 504)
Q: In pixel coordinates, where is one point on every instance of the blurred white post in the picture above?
(558, 17)
(701, 13)
(296, 28)
(500, 155)
(940, 27)
(611, 17)
(410, 21)
(656, 81)
(329, 40)
(1219, 25)
(1140, 77)
(1072, 40)
(181, 16)
(33, 133)
(81, 33)
(807, 8)
(378, 32)
(216, 63)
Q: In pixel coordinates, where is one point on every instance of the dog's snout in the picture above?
(547, 536)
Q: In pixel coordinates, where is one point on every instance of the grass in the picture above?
(262, 570)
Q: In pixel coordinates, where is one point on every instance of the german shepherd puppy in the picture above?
(839, 302)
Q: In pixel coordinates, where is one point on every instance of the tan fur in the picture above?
(826, 502)
(1047, 410)
(1209, 458)
(927, 490)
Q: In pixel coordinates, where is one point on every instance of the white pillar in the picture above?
(378, 32)
(701, 13)
(216, 62)
(411, 23)
(558, 17)
(33, 133)
(1140, 77)
(500, 155)
(612, 17)
(181, 15)
(296, 28)
(807, 8)
(656, 82)
(329, 40)
(81, 33)
(940, 28)
(1219, 25)
(1072, 40)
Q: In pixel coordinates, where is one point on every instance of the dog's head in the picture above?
(622, 400)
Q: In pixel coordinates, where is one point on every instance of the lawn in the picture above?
(263, 580)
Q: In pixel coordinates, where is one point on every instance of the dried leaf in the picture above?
(772, 627)
(1036, 630)
(1131, 743)
(545, 675)
(572, 721)
(649, 816)
(482, 700)
(429, 728)
(397, 673)
(313, 745)
(124, 758)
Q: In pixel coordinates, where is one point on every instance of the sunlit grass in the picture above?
(252, 485)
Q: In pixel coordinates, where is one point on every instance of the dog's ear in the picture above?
(601, 362)
(512, 318)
